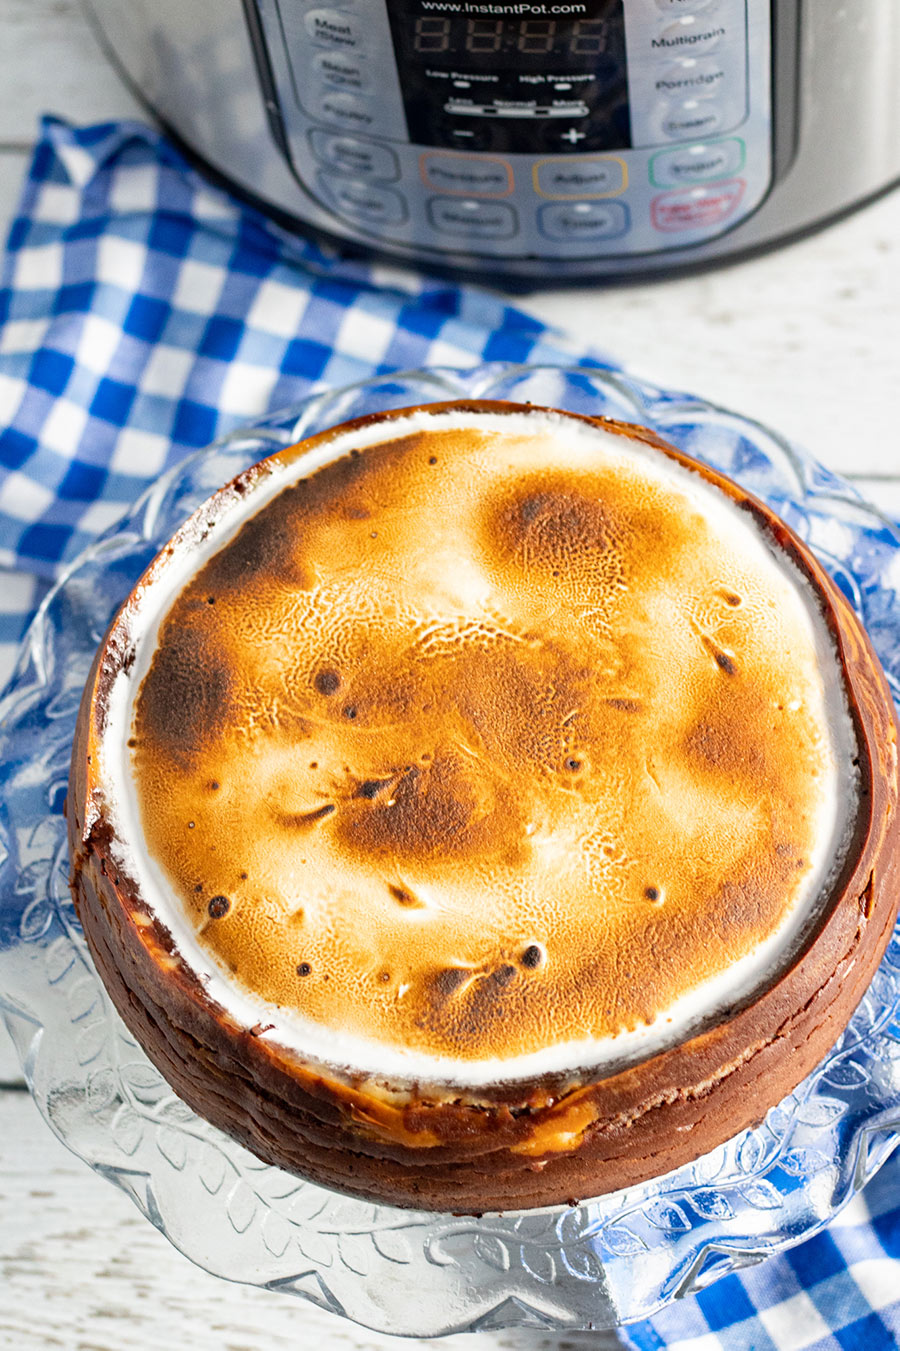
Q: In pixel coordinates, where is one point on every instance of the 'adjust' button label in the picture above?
(580, 177)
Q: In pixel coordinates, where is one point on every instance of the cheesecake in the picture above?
(479, 807)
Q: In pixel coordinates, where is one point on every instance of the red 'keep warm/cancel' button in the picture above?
(697, 208)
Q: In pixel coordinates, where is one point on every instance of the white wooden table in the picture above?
(806, 339)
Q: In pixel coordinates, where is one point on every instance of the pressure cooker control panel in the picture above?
(514, 129)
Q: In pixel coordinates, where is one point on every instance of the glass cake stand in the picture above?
(590, 1266)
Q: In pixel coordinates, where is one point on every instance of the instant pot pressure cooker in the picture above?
(595, 138)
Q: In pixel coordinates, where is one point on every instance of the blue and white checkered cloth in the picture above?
(144, 313)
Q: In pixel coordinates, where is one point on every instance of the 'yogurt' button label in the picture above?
(697, 163)
(697, 209)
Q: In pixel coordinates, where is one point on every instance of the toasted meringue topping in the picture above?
(482, 739)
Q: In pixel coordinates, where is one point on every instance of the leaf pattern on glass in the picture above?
(821, 1113)
(241, 1206)
(621, 1240)
(276, 1233)
(712, 1205)
(127, 1129)
(212, 1169)
(393, 1245)
(847, 1074)
(172, 1144)
(491, 1249)
(667, 1216)
(582, 1263)
(355, 1252)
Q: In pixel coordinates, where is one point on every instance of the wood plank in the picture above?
(82, 1269)
(13, 164)
(53, 64)
(806, 339)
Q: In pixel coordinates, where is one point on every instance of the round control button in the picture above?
(691, 34)
(363, 201)
(361, 159)
(346, 110)
(693, 118)
(687, 6)
(692, 77)
(584, 176)
(697, 163)
(466, 175)
(568, 221)
(697, 209)
(469, 218)
(335, 28)
(341, 71)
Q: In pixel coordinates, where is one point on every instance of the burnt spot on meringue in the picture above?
(370, 788)
(724, 660)
(403, 896)
(327, 682)
(446, 983)
(186, 696)
(299, 820)
(263, 547)
(548, 525)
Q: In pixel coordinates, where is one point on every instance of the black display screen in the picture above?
(513, 77)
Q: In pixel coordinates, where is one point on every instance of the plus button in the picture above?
(573, 136)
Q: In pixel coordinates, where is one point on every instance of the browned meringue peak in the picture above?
(468, 745)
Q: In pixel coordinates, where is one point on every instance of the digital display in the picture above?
(501, 81)
(583, 37)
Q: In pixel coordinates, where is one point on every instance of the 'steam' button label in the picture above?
(692, 119)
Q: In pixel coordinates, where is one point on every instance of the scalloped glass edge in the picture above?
(607, 1261)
